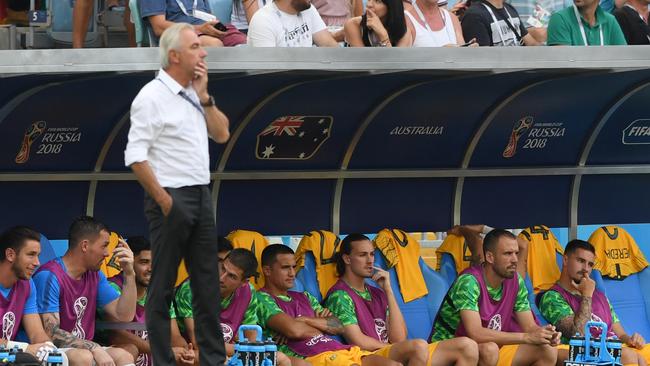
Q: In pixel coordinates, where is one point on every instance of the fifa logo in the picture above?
(228, 333)
(8, 324)
(79, 307)
(380, 329)
(495, 322)
(518, 130)
(31, 134)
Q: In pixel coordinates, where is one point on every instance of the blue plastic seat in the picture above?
(307, 276)
(298, 286)
(47, 250)
(419, 314)
(630, 298)
(448, 268)
(533, 303)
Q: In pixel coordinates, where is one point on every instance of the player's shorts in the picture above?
(432, 349)
(339, 358)
(644, 352)
(507, 354)
(384, 351)
(562, 348)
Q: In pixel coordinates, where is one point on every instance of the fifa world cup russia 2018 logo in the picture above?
(79, 307)
(8, 324)
(228, 333)
(31, 134)
(518, 130)
(495, 322)
(380, 329)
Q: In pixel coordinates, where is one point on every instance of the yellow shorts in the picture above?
(644, 352)
(339, 358)
(432, 349)
(507, 354)
(384, 351)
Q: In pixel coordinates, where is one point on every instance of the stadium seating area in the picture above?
(51, 22)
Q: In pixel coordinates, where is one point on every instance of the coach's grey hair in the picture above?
(170, 40)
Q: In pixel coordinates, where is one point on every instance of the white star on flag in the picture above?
(268, 151)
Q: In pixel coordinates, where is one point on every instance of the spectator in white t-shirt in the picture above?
(289, 23)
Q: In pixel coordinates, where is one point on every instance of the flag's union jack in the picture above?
(287, 125)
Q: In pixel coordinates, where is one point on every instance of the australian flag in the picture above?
(293, 137)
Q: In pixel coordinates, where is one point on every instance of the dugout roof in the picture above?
(345, 140)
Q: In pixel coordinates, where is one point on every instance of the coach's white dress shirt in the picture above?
(170, 133)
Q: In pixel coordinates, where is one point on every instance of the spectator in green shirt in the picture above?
(574, 300)
(584, 23)
(372, 319)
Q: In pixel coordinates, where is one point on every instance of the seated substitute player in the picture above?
(489, 303)
(70, 288)
(181, 308)
(300, 320)
(238, 300)
(574, 300)
(372, 319)
(139, 338)
(19, 250)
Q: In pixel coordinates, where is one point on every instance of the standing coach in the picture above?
(167, 150)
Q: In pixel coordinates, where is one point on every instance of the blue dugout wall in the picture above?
(343, 143)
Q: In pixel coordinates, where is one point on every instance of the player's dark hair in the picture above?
(138, 244)
(346, 248)
(270, 253)
(223, 244)
(84, 228)
(576, 244)
(15, 238)
(245, 260)
(492, 238)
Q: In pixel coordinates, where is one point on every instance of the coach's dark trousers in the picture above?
(187, 232)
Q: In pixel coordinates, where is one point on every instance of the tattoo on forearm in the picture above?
(334, 325)
(571, 325)
(62, 338)
(583, 316)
